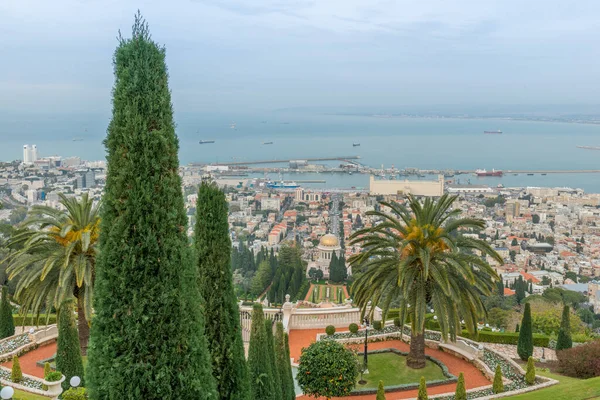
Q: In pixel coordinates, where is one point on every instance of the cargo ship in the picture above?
(498, 132)
(282, 185)
(206, 141)
(267, 142)
(483, 172)
(355, 144)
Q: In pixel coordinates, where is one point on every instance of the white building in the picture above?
(269, 203)
(30, 154)
(329, 243)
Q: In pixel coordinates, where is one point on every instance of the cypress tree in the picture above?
(564, 333)
(221, 312)
(282, 364)
(422, 395)
(498, 386)
(290, 376)
(147, 338)
(68, 352)
(380, 391)
(525, 345)
(461, 391)
(517, 328)
(530, 374)
(259, 362)
(7, 324)
(16, 375)
(277, 388)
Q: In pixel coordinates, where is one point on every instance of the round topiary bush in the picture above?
(397, 322)
(353, 328)
(75, 394)
(330, 330)
(377, 325)
(54, 376)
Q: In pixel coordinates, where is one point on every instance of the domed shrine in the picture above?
(327, 246)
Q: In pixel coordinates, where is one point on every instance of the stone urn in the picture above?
(54, 388)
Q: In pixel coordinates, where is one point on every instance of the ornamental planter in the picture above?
(54, 388)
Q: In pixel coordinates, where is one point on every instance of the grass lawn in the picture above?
(392, 370)
(567, 389)
(21, 395)
(320, 293)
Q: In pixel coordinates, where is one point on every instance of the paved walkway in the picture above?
(28, 361)
(473, 377)
(510, 350)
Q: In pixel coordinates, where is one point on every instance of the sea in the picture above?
(402, 142)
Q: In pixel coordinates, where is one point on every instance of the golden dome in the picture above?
(329, 240)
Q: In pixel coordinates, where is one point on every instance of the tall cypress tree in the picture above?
(221, 312)
(277, 388)
(68, 353)
(564, 340)
(7, 324)
(525, 345)
(259, 361)
(290, 377)
(147, 338)
(283, 363)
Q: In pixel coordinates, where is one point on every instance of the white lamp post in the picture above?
(75, 381)
(435, 317)
(7, 393)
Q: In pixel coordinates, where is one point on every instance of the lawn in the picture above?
(567, 389)
(392, 370)
(21, 395)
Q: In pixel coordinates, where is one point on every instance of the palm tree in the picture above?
(55, 259)
(417, 258)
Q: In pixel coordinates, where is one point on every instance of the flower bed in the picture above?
(13, 343)
(26, 381)
(429, 335)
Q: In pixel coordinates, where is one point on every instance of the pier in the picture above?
(283, 161)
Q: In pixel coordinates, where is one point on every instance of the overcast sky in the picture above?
(246, 55)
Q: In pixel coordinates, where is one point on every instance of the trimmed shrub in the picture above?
(397, 322)
(580, 361)
(54, 376)
(517, 328)
(380, 391)
(75, 394)
(506, 338)
(32, 320)
(68, 353)
(47, 370)
(530, 374)
(461, 391)
(564, 340)
(259, 362)
(498, 386)
(422, 390)
(277, 388)
(525, 345)
(16, 375)
(377, 325)
(353, 328)
(7, 324)
(330, 330)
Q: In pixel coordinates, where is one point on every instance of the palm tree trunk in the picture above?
(82, 326)
(416, 356)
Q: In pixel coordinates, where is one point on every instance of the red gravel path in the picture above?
(473, 377)
(28, 361)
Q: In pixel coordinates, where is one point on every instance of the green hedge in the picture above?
(32, 320)
(506, 338)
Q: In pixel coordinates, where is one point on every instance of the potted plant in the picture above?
(54, 381)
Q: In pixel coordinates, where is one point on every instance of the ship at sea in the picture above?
(267, 142)
(498, 132)
(483, 172)
(282, 185)
(355, 144)
(206, 141)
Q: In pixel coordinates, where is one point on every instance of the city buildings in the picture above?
(30, 154)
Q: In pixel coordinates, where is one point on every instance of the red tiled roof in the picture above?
(528, 277)
(508, 292)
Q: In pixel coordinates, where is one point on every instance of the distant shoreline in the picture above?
(458, 117)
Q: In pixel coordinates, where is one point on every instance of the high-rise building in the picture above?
(30, 154)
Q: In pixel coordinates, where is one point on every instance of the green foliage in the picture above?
(506, 337)
(397, 322)
(380, 391)
(262, 278)
(564, 333)
(330, 330)
(327, 369)
(290, 378)
(221, 312)
(15, 374)
(277, 389)
(377, 325)
(517, 328)
(393, 256)
(288, 274)
(498, 385)
(461, 391)
(586, 315)
(147, 338)
(422, 395)
(7, 325)
(79, 393)
(561, 295)
(68, 353)
(283, 365)
(54, 376)
(337, 269)
(259, 361)
(498, 317)
(580, 361)
(530, 372)
(353, 328)
(525, 344)
(33, 320)
(47, 370)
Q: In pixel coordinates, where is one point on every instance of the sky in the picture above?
(251, 55)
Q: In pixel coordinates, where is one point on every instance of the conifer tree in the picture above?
(47, 370)
(422, 395)
(147, 338)
(380, 391)
(16, 375)
(7, 324)
(283, 363)
(68, 353)
(564, 340)
(525, 344)
(290, 376)
(461, 391)
(259, 361)
(221, 312)
(498, 386)
(530, 373)
(277, 388)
